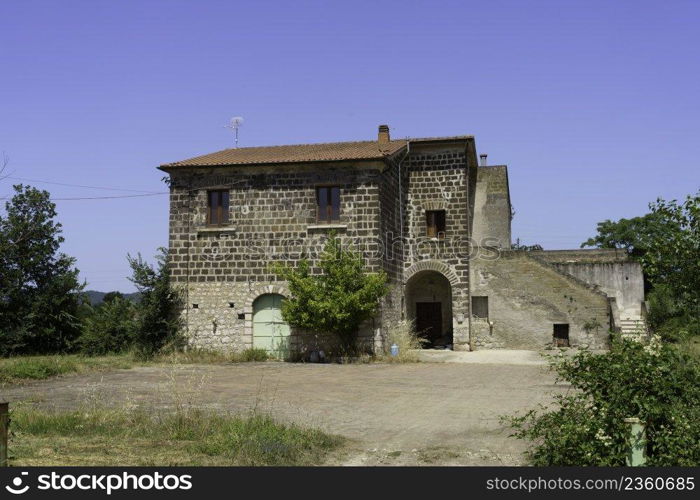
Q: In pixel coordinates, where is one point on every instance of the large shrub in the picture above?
(338, 299)
(656, 382)
(158, 322)
(110, 328)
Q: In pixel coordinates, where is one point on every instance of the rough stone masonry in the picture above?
(422, 210)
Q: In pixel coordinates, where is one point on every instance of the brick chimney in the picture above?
(383, 136)
(483, 162)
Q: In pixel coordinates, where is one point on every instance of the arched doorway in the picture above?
(270, 331)
(429, 305)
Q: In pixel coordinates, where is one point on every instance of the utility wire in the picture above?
(104, 197)
(78, 185)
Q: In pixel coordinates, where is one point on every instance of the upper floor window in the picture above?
(217, 208)
(328, 203)
(435, 223)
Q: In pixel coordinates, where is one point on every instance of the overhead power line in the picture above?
(79, 185)
(103, 197)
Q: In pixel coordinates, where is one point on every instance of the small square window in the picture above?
(435, 223)
(328, 203)
(217, 207)
(480, 307)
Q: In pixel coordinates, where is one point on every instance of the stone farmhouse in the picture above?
(426, 211)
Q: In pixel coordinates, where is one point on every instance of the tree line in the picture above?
(43, 309)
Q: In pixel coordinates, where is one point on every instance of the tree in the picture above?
(633, 235)
(158, 322)
(673, 253)
(39, 290)
(655, 382)
(666, 242)
(337, 300)
(110, 328)
(110, 296)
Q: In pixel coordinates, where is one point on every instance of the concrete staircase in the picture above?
(633, 326)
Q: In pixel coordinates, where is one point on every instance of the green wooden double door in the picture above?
(270, 331)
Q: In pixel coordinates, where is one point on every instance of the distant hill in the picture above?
(96, 297)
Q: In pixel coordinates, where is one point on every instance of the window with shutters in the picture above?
(217, 208)
(328, 203)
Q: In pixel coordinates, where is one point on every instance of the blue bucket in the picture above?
(394, 350)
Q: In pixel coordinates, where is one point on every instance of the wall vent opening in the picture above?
(480, 307)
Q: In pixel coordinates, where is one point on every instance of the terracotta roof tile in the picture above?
(298, 153)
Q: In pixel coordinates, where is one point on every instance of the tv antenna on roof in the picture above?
(235, 124)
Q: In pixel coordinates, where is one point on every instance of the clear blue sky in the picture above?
(595, 106)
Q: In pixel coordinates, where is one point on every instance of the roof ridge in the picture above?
(306, 144)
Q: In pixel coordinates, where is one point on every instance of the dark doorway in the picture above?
(429, 320)
(561, 335)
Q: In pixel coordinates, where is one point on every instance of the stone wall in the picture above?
(438, 180)
(611, 270)
(272, 218)
(492, 208)
(622, 280)
(392, 198)
(527, 297)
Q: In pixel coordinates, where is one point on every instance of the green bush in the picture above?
(158, 322)
(673, 320)
(656, 382)
(335, 301)
(110, 329)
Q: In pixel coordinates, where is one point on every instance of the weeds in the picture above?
(403, 335)
(187, 436)
(205, 356)
(19, 368)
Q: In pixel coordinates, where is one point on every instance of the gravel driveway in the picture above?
(410, 414)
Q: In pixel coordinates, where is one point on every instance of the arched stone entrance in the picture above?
(429, 305)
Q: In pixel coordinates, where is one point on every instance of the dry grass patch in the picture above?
(101, 436)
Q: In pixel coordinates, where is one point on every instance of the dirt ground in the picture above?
(410, 414)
